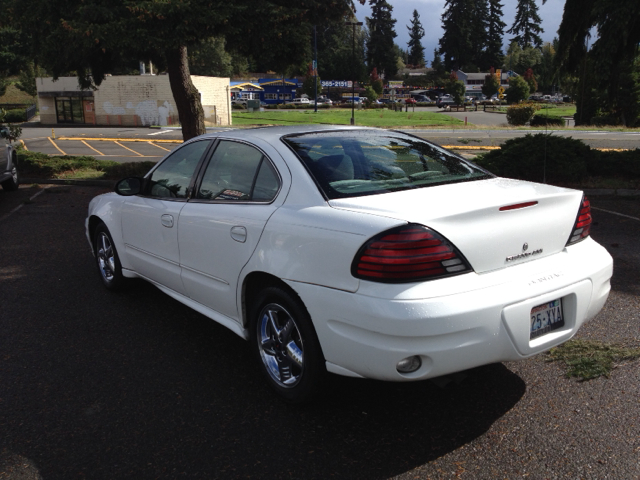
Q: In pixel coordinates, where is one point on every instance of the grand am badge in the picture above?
(524, 253)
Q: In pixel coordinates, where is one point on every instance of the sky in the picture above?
(430, 12)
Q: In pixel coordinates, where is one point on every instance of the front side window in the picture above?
(358, 162)
(238, 172)
(173, 176)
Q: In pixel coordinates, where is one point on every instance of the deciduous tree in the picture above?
(108, 35)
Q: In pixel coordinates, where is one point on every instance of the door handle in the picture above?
(239, 234)
(166, 220)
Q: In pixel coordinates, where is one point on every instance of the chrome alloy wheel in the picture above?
(106, 257)
(280, 345)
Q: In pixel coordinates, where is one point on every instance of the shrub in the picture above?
(614, 164)
(17, 115)
(521, 114)
(542, 120)
(606, 120)
(527, 158)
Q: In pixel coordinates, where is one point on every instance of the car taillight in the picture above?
(408, 254)
(582, 225)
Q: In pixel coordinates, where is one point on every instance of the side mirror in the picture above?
(129, 186)
(4, 132)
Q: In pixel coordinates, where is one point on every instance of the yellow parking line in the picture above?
(118, 143)
(54, 144)
(104, 139)
(92, 148)
(151, 143)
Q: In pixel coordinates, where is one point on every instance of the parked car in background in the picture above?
(9, 178)
(239, 102)
(362, 252)
(443, 102)
(324, 100)
(299, 101)
(421, 98)
(408, 101)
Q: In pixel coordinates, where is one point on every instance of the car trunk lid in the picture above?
(493, 223)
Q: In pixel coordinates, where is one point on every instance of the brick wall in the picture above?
(140, 100)
(216, 99)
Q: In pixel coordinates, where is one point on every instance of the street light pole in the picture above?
(315, 71)
(353, 66)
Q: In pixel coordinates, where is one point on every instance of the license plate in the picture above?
(546, 318)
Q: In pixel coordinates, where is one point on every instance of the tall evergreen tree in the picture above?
(493, 56)
(526, 26)
(380, 46)
(479, 33)
(416, 33)
(456, 43)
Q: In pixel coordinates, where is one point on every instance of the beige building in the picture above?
(128, 100)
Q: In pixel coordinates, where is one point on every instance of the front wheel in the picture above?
(107, 259)
(286, 346)
(13, 182)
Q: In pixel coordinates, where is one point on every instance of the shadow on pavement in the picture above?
(108, 385)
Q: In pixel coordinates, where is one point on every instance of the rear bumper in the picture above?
(486, 321)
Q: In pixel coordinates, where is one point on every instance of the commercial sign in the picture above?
(336, 83)
(396, 83)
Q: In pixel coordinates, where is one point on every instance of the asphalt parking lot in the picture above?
(102, 385)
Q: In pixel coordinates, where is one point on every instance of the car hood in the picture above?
(469, 215)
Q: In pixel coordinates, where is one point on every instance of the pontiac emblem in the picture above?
(524, 247)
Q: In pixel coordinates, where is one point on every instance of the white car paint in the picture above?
(365, 328)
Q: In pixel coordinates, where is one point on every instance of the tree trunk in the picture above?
(185, 94)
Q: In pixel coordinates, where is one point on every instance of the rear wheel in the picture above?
(107, 259)
(286, 346)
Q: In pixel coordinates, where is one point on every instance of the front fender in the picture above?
(107, 209)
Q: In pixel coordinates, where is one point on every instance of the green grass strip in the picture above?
(367, 118)
(587, 359)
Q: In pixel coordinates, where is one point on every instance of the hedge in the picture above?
(520, 114)
(541, 120)
(564, 159)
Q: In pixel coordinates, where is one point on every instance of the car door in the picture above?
(221, 225)
(150, 220)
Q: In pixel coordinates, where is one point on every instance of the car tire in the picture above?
(12, 183)
(107, 259)
(286, 346)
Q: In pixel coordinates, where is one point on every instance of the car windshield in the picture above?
(355, 163)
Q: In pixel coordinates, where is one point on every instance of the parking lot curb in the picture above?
(56, 181)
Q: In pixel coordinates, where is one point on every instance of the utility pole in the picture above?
(315, 70)
(353, 67)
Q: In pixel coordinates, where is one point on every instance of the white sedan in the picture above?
(356, 251)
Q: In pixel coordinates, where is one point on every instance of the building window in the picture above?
(285, 96)
(270, 96)
(69, 110)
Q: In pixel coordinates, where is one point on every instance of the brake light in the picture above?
(582, 225)
(408, 254)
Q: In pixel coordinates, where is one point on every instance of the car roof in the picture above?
(268, 133)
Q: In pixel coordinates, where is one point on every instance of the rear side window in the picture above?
(355, 163)
(238, 172)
